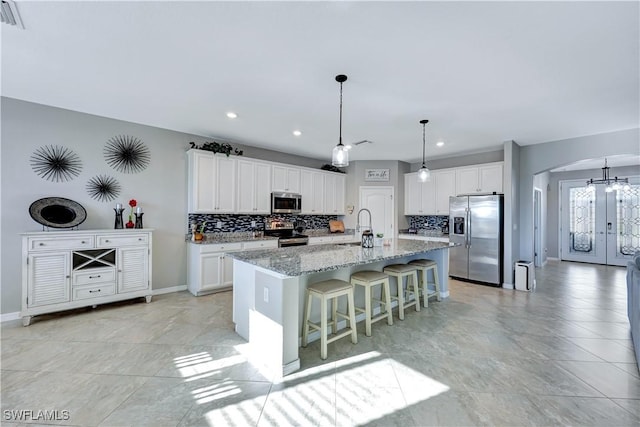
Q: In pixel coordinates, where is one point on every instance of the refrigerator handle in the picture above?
(468, 229)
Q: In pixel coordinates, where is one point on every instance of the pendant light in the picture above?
(424, 174)
(340, 157)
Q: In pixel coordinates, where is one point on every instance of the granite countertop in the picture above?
(324, 232)
(215, 238)
(301, 260)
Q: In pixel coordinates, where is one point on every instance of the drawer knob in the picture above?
(107, 240)
(41, 244)
(139, 239)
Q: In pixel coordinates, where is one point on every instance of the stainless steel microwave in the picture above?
(286, 203)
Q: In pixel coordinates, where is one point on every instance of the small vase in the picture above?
(139, 220)
(119, 222)
(129, 224)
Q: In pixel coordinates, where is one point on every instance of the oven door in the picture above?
(289, 203)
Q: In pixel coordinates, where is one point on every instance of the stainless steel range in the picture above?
(285, 232)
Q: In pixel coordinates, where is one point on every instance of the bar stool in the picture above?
(368, 279)
(400, 271)
(325, 291)
(426, 265)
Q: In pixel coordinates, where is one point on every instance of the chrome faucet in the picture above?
(358, 223)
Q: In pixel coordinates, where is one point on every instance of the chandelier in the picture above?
(612, 184)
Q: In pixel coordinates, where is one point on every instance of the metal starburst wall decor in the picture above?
(127, 154)
(55, 163)
(103, 188)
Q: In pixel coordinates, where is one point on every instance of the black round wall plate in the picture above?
(57, 212)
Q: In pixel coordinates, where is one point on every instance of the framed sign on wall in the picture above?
(376, 174)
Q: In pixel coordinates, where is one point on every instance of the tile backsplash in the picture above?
(428, 221)
(230, 222)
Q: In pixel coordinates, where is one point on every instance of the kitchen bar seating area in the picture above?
(483, 356)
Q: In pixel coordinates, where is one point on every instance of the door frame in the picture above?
(537, 227)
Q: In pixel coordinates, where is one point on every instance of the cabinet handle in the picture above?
(82, 242)
(119, 271)
(139, 239)
(95, 277)
(97, 290)
(68, 277)
(41, 244)
(106, 240)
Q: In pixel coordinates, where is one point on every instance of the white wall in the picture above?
(539, 158)
(161, 189)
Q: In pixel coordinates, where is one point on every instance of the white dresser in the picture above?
(62, 270)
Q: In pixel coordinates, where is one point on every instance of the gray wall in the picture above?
(511, 210)
(161, 189)
(355, 179)
(553, 211)
(539, 158)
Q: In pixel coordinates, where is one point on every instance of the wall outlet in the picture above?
(253, 224)
(266, 294)
(219, 224)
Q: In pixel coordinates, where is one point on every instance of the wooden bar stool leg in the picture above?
(334, 310)
(425, 286)
(323, 328)
(416, 289)
(400, 281)
(367, 308)
(351, 306)
(387, 298)
(437, 281)
(305, 326)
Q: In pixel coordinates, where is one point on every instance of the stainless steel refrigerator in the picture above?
(475, 223)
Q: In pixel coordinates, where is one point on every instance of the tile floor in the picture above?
(484, 356)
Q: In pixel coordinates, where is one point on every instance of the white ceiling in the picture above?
(481, 72)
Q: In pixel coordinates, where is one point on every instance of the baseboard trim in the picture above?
(550, 258)
(7, 317)
(507, 285)
(169, 290)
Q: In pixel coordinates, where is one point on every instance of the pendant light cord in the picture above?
(423, 143)
(340, 138)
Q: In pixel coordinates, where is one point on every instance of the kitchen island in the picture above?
(269, 290)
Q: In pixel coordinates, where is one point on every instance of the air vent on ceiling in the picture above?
(363, 141)
(9, 14)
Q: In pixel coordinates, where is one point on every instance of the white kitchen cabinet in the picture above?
(445, 186)
(485, 178)
(212, 182)
(312, 191)
(286, 179)
(48, 279)
(63, 270)
(254, 187)
(419, 197)
(334, 189)
(210, 271)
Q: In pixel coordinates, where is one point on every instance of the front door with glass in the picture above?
(598, 226)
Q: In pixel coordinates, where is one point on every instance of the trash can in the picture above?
(525, 276)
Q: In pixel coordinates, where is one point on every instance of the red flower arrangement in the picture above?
(133, 203)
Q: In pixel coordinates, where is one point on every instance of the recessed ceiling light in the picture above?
(232, 115)
(297, 133)
(439, 143)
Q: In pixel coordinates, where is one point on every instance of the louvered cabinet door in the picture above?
(48, 281)
(133, 269)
